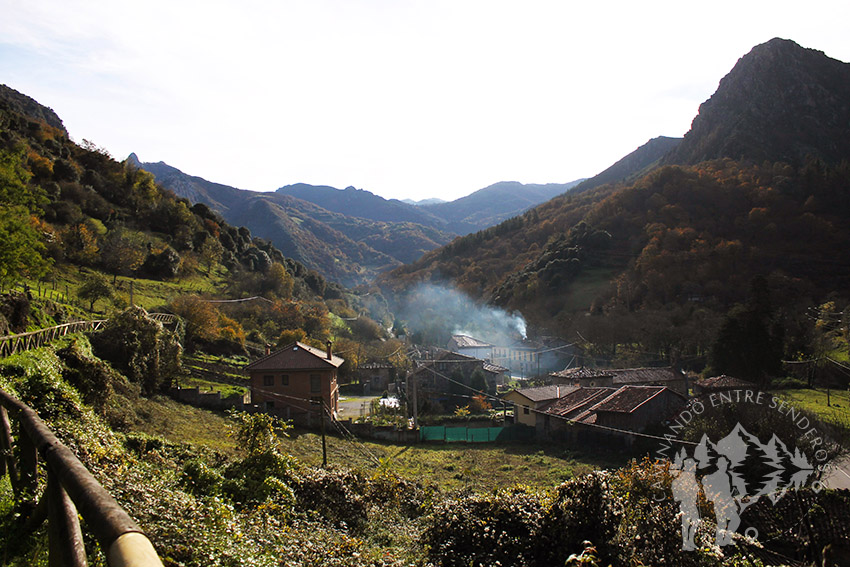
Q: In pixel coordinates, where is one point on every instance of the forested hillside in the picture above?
(654, 266)
(95, 230)
(347, 236)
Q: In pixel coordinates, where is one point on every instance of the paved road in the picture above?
(352, 406)
(838, 476)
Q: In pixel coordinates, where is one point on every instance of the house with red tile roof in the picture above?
(291, 382)
(721, 383)
(607, 410)
(528, 401)
(615, 377)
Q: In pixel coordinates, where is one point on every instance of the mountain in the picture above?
(20, 103)
(491, 205)
(432, 201)
(656, 262)
(196, 189)
(73, 208)
(361, 203)
(639, 162)
(781, 102)
(481, 209)
(350, 235)
(343, 247)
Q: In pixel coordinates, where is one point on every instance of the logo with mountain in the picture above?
(733, 474)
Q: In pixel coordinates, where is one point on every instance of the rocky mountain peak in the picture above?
(781, 102)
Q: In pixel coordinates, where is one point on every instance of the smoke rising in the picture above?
(434, 313)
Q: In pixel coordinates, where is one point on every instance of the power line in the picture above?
(566, 419)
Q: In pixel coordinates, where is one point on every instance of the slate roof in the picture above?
(644, 375)
(297, 356)
(464, 341)
(578, 372)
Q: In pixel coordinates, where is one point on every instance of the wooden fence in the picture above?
(13, 344)
(71, 489)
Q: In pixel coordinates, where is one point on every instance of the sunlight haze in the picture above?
(404, 99)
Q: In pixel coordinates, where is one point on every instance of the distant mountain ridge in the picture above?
(361, 203)
(495, 203)
(344, 248)
(350, 235)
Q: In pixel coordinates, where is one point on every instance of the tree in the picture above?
(749, 343)
(95, 287)
(122, 254)
(278, 281)
(140, 348)
(200, 317)
(210, 252)
(289, 336)
(20, 246)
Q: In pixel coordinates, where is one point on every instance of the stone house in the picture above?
(470, 346)
(721, 383)
(615, 377)
(527, 402)
(626, 408)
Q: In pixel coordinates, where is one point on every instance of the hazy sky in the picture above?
(407, 99)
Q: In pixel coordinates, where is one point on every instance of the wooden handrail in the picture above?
(12, 344)
(70, 488)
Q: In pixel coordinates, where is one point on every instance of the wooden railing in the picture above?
(13, 344)
(70, 488)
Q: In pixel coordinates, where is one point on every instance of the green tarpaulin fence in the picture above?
(475, 434)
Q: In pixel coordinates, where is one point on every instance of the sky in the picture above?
(406, 99)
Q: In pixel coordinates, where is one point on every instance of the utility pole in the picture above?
(319, 401)
(415, 405)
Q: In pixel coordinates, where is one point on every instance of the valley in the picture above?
(577, 349)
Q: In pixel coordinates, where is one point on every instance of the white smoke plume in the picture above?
(434, 313)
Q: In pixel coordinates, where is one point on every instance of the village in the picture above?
(528, 390)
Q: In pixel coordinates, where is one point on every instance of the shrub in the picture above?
(485, 529)
(140, 348)
(583, 510)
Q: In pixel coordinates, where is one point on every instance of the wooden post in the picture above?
(7, 460)
(29, 470)
(65, 537)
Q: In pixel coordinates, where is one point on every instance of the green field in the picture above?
(837, 412)
(480, 467)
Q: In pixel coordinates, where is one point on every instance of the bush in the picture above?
(141, 349)
(584, 510)
(334, 495)
(485, 529)
(201, 479)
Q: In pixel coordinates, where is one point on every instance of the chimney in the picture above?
(268, 349)
(330, 352)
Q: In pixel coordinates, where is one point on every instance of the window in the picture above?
(315, 383)
(284, 380)
(268, 380)
(525, 410)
